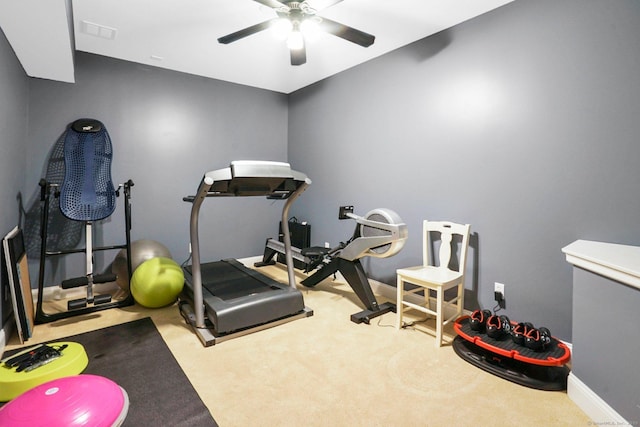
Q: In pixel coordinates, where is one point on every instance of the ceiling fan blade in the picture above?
(274, 4)
(348, 33)
(229, 38)
(322, 4)
(298, 56)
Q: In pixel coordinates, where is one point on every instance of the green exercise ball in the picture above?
(157, 282)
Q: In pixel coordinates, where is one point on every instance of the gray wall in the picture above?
(613, 376)
(167, 130)
(14, 94)
(523, 122)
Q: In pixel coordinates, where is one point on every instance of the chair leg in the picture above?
(399, 306)
(460, 298)
(439, 316)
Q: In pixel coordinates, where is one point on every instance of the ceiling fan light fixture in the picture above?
(295, 41)
(310, 27)
(281, 28)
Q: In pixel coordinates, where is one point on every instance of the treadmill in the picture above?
(224, 299)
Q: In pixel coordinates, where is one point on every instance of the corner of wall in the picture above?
(591, 404)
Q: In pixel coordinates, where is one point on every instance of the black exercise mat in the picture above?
(135, 356)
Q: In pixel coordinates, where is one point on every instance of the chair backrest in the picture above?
(87, 192)
(448, 244)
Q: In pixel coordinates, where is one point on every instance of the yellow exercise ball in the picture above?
(157, 282)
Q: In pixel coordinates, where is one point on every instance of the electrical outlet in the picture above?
(344, 210)
(498, 291)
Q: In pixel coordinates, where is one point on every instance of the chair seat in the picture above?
(426, 275)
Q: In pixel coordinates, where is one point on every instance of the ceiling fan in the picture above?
(297, 17)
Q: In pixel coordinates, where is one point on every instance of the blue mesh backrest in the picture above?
(87, 192)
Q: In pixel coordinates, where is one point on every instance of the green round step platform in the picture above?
(72, 362)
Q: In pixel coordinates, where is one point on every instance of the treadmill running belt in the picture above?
(229, 279)
(236, 297)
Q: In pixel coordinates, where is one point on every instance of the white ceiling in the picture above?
(182, 35)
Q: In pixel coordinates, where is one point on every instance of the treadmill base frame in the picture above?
(208, 336)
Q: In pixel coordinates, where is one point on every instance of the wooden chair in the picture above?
(436, 275)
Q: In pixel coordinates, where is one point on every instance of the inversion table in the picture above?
(86, 195)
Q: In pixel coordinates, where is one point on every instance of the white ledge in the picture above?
(617, 262)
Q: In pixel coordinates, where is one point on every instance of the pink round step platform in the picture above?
(80, 400)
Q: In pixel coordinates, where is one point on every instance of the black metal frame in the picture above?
(355, 276)
(41, 316)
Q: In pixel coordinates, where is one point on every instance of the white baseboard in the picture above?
(3, 341)
(592, 405)
(5, 333)
(249, 261)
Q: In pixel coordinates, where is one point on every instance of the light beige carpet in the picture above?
(328, 371)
